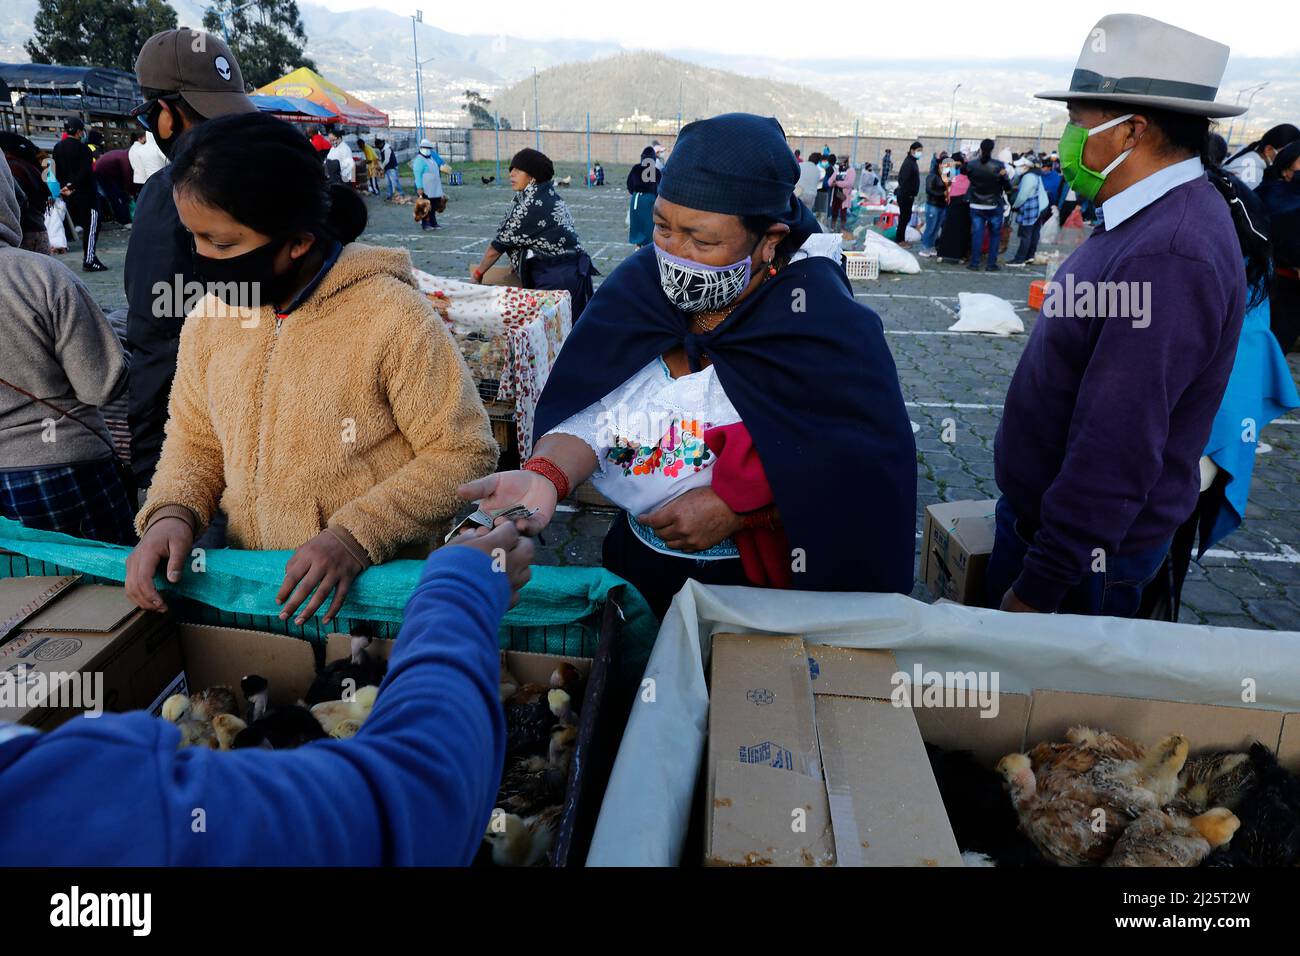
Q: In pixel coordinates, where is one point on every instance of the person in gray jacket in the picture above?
(60, 362)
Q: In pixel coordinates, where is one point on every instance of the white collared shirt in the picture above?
(1128, 202)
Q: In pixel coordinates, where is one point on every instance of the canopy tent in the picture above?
(307, 84)
(292, 108)
(89, 88)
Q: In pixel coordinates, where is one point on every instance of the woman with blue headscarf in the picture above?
(726, 390)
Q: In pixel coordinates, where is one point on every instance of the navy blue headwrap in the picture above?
(816, 387)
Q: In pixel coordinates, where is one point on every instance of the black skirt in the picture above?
(571, 273)
(954, 237)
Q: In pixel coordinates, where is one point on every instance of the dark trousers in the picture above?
(1028, 241)
(659, 576)
(982, 221)
(904, 217)
(1118, 591)
(85, 216)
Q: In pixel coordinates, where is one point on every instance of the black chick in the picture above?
(280, 729)
(982, 818)
(361, 669)
(488, 180)
(531, 712)
(283, 729)
(1269, 834)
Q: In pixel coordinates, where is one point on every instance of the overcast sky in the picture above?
(793, 29)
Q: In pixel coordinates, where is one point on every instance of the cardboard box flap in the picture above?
(975, 532)
(223, 655)
(95, 608)
(339, 646)
(851, 671)
(1288, 747)
(18, 594)
(988, 738)
(763, 816)
(533, 668)
(1206, 726)
(884, 803)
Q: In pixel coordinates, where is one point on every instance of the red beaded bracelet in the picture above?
(552, 472)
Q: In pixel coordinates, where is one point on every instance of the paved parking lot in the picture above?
(1252, 579)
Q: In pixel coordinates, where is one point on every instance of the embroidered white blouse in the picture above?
(648, 434)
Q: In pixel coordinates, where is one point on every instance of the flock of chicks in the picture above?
(335, 706)
(541, 736)
(1101, 799)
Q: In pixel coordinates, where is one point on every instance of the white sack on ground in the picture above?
(982, 312)
(648, 801)
(893, 258)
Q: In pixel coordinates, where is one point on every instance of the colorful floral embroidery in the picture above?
(680, 450)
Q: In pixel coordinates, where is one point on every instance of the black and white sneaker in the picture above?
(94, 266)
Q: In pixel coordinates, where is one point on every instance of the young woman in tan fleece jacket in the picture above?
(336, 417)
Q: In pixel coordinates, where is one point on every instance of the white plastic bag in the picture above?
(54, 215)
(893, 258)
(1051, 229)
(913, 235)
(982, 312)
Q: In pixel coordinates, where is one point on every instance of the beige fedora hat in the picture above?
(1144, 62)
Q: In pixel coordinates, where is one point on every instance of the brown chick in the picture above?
(206, 704)
(1160, 838)
(1219, 779)
(1074, 799)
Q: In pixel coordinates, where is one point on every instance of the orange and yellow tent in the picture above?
(309, 85)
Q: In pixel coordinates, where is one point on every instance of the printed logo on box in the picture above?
(769, 753)
(760, 696)
(814, 669)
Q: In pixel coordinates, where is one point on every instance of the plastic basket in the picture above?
(862, 265)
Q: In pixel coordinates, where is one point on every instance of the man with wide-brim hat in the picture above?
(186, 77)
(1111, 405)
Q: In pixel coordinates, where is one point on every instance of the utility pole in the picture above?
(537, 114)
(419, 91)
(589, 182)
(498, 138)
(1252, 90)
(853, 161)
(952, 120)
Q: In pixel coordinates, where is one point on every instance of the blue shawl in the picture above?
(816, 387)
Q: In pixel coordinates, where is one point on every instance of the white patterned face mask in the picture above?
(695, 287)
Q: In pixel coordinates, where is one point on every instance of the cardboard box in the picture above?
(811, 763)
(876, 799)
(764, 767)
(957, 539)
(89, 649)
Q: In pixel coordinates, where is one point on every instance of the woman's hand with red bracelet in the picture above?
(507, 488)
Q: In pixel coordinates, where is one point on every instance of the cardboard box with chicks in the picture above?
(229, 688)
(821, 755)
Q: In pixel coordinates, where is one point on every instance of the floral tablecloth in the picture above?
(507, 335)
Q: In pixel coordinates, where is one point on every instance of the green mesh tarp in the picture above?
(559, 611)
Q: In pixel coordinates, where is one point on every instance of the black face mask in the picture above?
(248, 280)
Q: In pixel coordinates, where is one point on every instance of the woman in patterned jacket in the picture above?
(538, 235)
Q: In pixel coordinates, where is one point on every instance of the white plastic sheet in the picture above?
(647, 803)
(984, 312)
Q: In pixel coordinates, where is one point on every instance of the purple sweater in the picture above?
(1107, 418)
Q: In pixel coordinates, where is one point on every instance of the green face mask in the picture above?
(1084, 181)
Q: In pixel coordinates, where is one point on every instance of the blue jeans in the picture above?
(980, 219)
(933, 223)
(1028, 241)
(394, 185)
(1115, 592)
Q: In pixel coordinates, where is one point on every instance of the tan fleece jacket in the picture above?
(358, 413)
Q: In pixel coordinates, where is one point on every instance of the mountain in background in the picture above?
(369, 53)
(647, 91)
